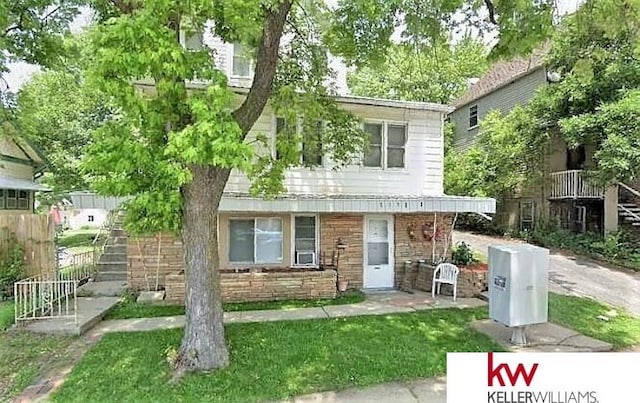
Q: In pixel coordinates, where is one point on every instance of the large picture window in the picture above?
(255, 240)
(305, 241)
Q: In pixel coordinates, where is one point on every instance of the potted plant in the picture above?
(463, 257)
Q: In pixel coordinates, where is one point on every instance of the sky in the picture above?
(21, 72)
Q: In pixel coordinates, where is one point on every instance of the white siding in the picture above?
(422, 175)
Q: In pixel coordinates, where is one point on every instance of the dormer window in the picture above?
(241, 63)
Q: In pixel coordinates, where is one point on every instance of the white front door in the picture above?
(378, 252)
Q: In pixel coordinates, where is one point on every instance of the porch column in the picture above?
(611, 209)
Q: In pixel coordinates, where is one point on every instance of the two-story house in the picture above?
(358, 225)
(19, 164)
(566, 197)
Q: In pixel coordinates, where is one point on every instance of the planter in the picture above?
(342, 285)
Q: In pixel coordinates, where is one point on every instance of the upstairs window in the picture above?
(241, 62)
(373, 154)
(312, 145)
(387, 145)
(473, 116)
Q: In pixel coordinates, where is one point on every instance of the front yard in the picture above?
(279, 359)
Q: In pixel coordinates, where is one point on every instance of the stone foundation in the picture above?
(263, 286)
(471, 281)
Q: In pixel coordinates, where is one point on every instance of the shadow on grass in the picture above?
(280, 359)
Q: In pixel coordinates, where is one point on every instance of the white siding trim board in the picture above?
(427, 204)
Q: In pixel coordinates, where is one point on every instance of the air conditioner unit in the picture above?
(306, 258)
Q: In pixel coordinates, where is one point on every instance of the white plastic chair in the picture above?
(445, 273)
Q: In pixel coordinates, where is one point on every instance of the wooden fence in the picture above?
(35, 233)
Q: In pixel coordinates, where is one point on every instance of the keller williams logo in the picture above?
(495, 373)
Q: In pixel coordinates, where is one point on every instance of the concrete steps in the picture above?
(629, 213)
(113, 261)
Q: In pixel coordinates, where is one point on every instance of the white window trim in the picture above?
(254, 262)
(230, 54)
(274, 133)
(385, 144)
(293, 241)
(469, 117)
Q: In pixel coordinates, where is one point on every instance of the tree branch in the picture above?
(265, 69)
(492, 11)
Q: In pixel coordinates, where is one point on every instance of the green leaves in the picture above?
(435, 73)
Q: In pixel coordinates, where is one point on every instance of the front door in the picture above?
(378, 252)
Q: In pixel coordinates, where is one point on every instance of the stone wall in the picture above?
(263, 286)
(412, 244)
(348, 229)
(145, 260)
(471, 281)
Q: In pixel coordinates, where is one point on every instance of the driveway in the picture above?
(576, 275)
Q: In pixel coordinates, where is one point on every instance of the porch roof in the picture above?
(325, 204)
(359, 204)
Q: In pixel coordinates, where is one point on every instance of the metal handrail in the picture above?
(629, 189)
(631, 213)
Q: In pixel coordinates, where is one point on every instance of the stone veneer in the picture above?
(347, 229)
(263, 286)
(416, 246)
(471, 281)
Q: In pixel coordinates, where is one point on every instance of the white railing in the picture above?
(573, 185)
(41, 297)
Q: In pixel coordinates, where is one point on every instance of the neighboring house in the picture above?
(566, 198)
(359, 224)
(74, 218)
(20, 163)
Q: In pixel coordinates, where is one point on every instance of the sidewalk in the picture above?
(382, 303)
(430, 390)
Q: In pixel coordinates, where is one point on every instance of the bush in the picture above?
(11, 266)
(619, 248)
(463, 255)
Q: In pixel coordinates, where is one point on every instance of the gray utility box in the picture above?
(518, 284)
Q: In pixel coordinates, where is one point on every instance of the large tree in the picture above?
(173, 148)
(31, 31)
(429, 73)
(58, 111)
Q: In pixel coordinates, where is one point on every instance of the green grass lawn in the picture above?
(6, 314)
(581, 314)
(129, 309)
(23, 356)
(275, 360)
(75, 238)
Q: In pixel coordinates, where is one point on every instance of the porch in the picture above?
(573, 184)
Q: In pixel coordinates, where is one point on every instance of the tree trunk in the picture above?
(203, 345)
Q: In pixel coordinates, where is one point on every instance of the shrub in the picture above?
(11, 266)
(463, 255)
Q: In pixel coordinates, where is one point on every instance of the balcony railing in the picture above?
(573, 185)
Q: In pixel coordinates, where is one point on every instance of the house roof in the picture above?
(7, 182)
(502, 73)
(345, 99)
(292, 203)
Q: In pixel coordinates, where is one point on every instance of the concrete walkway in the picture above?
(577, 275)
(382, 303)
(431, 390)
